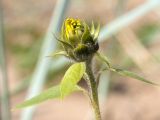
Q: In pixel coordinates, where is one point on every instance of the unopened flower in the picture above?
(79, 41)
(73, 30)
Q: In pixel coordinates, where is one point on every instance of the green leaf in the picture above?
(72, 76)
(132, 75)
(51, 93)
(103, 59)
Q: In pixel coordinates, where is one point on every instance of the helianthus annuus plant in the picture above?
(80, 44)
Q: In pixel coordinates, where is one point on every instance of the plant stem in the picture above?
(92, 89)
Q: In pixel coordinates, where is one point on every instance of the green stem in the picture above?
(92, 89)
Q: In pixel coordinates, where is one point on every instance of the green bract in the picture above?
(79, 41)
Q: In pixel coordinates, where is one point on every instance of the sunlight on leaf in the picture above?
(132, 75)
(72, 76)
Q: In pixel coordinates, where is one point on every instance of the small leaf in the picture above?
(51, 93)
(63, 53)
(132, 75)
(72, 76)
(104, 59)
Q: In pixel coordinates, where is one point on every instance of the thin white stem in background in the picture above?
(44, 64)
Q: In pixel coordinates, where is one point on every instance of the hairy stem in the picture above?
(92, 89)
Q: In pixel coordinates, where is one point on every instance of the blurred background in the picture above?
(130, 37)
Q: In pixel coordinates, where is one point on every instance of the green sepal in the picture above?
(63, 53)
(92, 29)
(96, 33)
(87, 37)
(63, 36)
(81, 49)
(66, 44)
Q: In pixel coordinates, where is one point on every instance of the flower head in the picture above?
(73, 30)
(79, 41)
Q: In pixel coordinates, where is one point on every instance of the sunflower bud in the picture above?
(79, 41)
(73, 31)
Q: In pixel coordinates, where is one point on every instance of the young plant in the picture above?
(80, 44)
